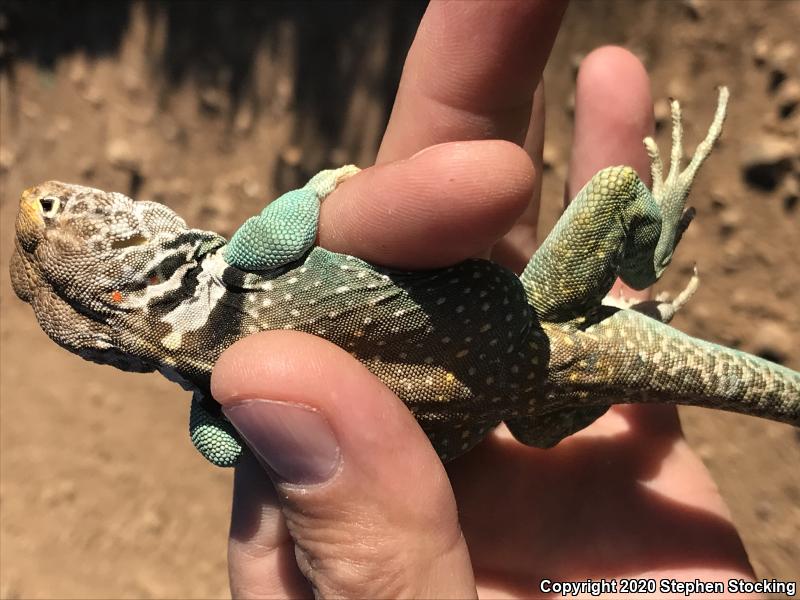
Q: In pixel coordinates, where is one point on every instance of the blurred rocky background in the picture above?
(213, 108)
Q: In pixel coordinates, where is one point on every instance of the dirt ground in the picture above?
(134, 98)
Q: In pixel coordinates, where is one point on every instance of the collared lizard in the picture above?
(466, 347)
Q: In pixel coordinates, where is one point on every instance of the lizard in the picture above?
(128, 283)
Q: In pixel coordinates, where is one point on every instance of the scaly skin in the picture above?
(127, 283)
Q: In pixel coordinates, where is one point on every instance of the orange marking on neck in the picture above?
(116, 296)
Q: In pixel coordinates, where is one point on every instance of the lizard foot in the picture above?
(670, 192)
(213, 436)
(662, 308)
(324, 182)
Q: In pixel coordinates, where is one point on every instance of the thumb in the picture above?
(365, 499)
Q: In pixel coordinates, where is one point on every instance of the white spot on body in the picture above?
(172, 341)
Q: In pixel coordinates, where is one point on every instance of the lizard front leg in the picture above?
(286, 228)
(283, 232)
(212, 435)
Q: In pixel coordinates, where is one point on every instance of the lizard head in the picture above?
(84, 256)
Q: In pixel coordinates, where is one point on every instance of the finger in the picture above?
(366, 499)
(518, 245)
(613, 114)
(470, 73)
(445, 204)
(261, 562)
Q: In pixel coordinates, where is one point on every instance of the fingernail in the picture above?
(294, 441)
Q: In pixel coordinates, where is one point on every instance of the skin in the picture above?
(624, 498)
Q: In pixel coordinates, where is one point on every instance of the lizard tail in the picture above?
(628, 357)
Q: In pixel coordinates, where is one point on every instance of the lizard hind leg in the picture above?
(545, 431)
(615, 227)
(213, 436)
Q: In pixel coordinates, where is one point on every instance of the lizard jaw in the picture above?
(30, 222)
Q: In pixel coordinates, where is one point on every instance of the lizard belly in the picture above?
(449, 342)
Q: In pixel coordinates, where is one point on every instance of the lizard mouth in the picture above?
(30, 222)
(21, 277)
(29, 229)
(26, 278)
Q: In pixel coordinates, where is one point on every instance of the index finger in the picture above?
(471, 73)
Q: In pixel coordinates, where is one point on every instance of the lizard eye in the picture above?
(50, 205)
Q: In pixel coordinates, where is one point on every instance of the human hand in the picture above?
(361, 505)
